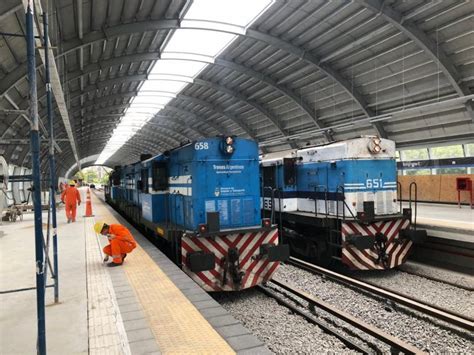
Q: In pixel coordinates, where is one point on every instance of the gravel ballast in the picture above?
(420, 331)
(463, 279)
(282, 331)
(436, 293)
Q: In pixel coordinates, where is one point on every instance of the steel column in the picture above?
(52, 163)
(35, 151)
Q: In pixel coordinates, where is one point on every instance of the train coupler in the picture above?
(232, 266)
(381, 248)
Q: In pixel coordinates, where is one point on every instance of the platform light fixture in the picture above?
(207, 29)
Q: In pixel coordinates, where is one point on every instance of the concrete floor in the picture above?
(66, 322)
(126, 310)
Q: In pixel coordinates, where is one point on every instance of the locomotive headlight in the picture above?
(227, 145)
(374, 145)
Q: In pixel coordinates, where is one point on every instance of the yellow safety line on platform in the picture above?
(177, 325)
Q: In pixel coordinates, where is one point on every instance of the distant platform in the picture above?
(450, 241)
(446, 221)
(146, 306)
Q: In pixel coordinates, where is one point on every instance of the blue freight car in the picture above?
(203, 201)
(339, 202)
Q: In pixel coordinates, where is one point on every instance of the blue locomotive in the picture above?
(339, 202)
(202, 201)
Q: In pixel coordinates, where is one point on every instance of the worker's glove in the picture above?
(78, 203)
(106, 259)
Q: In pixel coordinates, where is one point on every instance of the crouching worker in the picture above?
(121, 242)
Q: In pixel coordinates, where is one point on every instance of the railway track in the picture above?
(437, 279)
(394, 343)
(456, 319)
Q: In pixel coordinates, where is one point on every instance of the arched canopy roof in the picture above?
(304, 72)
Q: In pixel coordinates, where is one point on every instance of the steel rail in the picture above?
(436, 312)
(432, 278)
(326, 328)
(394, 342)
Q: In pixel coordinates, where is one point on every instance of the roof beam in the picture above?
(165, 121)
(282, 89)
(209, 84)
(197, 118)
(9, 7)
(156, 25)
(197, 101)
(289, 93)
(421, 39)
(103, 65)
(221, 111)
(242, 97)
(165, 125)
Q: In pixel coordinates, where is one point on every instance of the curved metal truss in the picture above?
(155, 25)
(100, 104)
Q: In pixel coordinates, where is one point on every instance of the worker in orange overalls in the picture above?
(71, 199)
(120, 239)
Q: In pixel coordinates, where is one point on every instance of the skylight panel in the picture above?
(212, 25)
(156, 100)
(188, 67)
(208, 43)
(163, 85)
(239, 12)
(170, 77)
(208, 27)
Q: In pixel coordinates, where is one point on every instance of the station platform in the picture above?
(146, 306)
(446, 221)
(450, 236)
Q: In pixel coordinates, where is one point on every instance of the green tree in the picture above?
(105, 179)
(450, 151)
(91, 177)
(79, 175)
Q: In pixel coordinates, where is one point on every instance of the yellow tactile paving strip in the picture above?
(177, 325)
(106, 331)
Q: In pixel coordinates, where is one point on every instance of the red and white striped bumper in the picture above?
(396, 250)
(256, 269)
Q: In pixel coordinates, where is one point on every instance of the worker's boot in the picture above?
(112, 264)
(69, 220)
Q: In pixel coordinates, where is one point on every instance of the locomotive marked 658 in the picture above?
(202, 201)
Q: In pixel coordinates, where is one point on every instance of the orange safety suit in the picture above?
(71, 197)
(121, 242)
